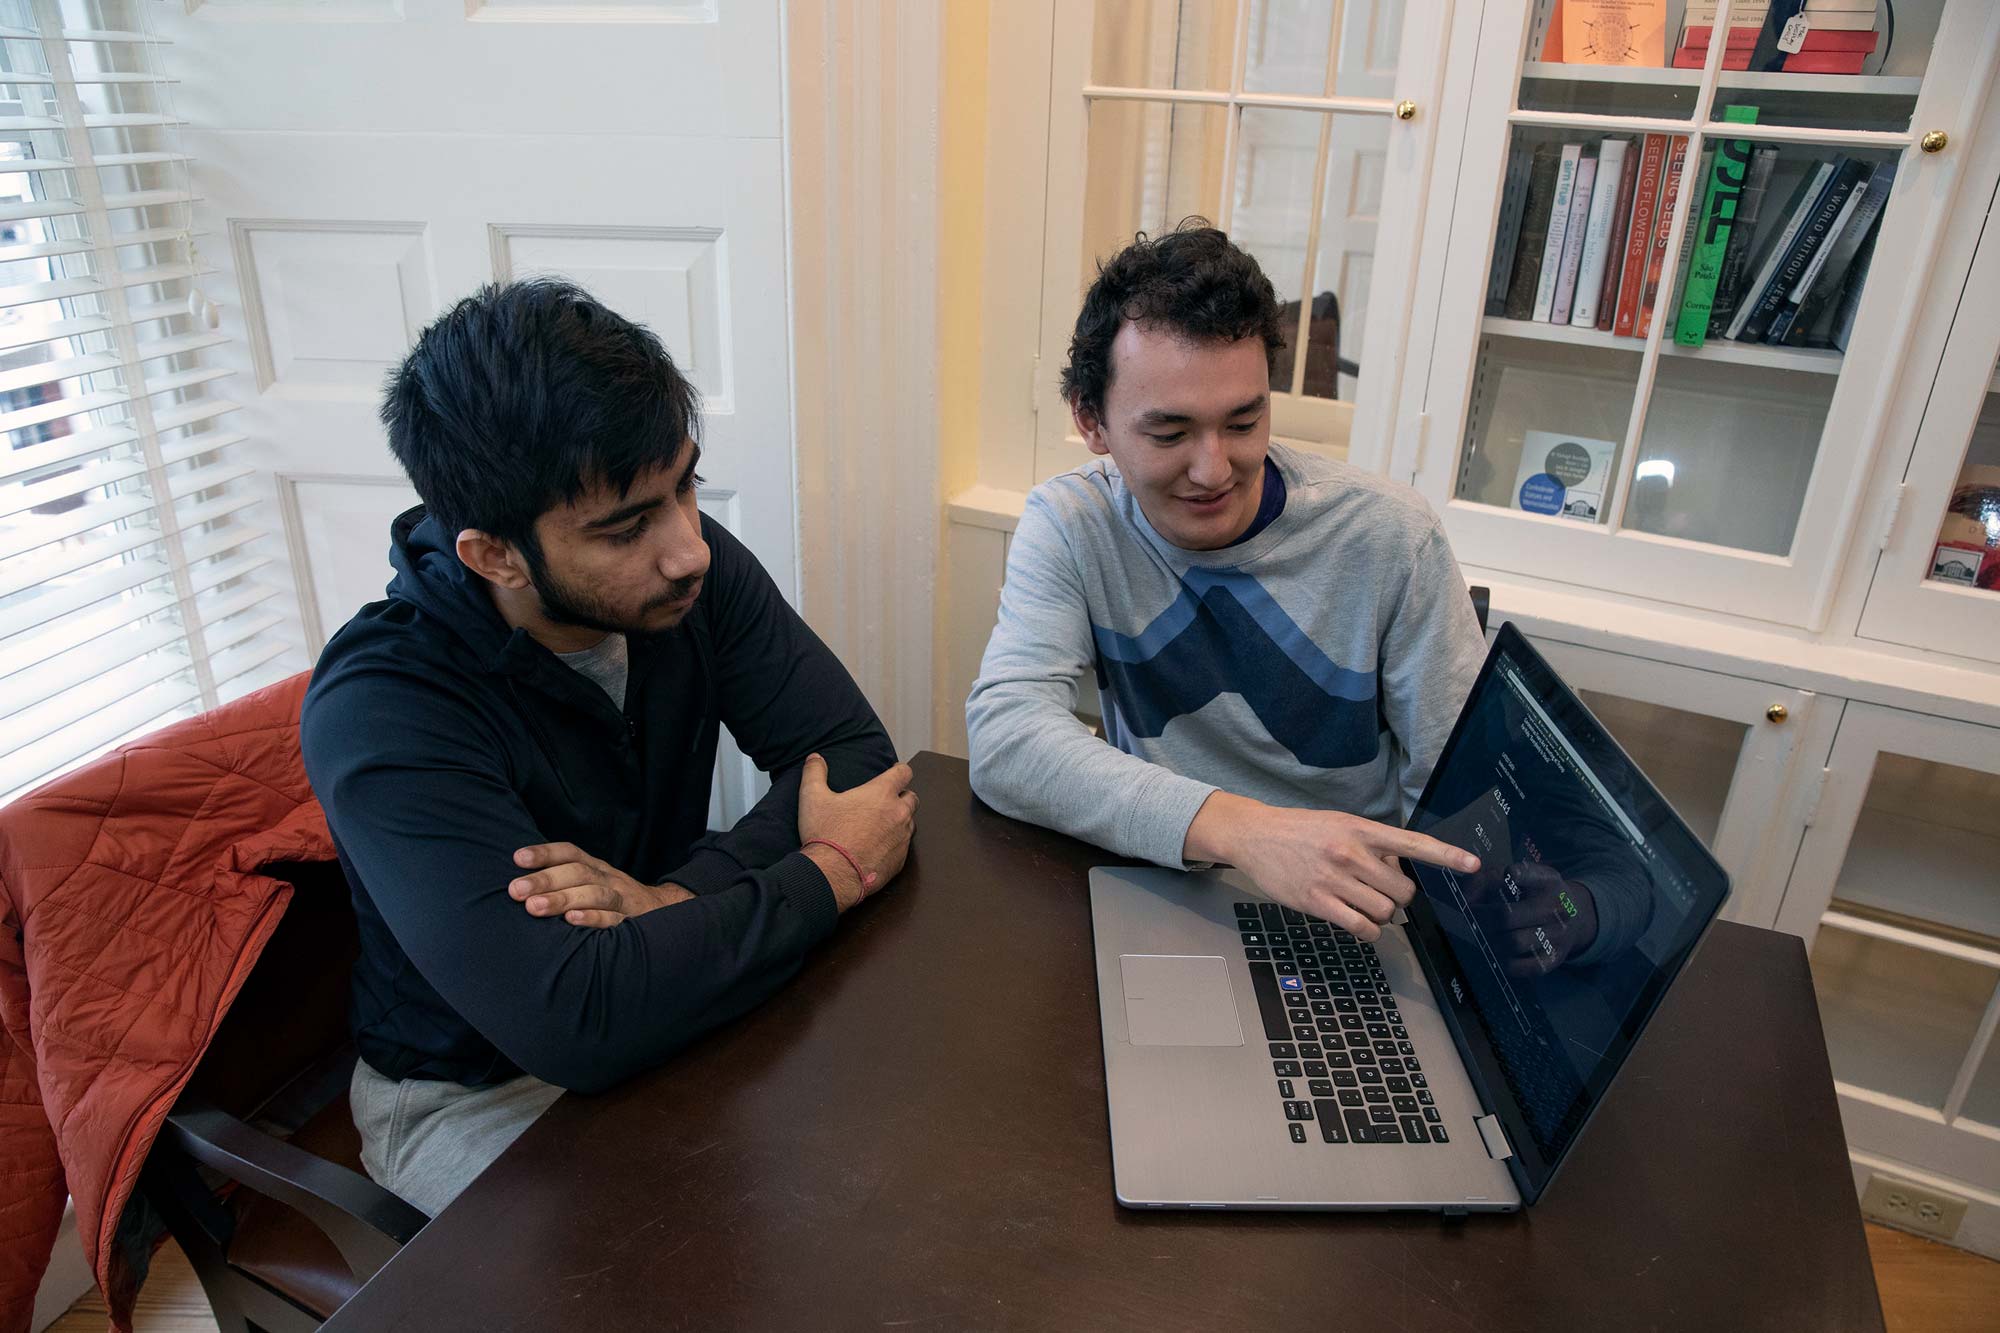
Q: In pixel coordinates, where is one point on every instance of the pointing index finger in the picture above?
(1430, 851)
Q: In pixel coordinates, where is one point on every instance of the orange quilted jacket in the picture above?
(131, 910)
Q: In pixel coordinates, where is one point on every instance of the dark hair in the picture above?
(522, 396)
(1193, 281)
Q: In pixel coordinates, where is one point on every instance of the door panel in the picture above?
(1895, 896)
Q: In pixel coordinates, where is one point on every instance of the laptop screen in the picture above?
(1590, 895)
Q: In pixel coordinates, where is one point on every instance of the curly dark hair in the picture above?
(1194, 281)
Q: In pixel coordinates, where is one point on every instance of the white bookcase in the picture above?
(1748, 532)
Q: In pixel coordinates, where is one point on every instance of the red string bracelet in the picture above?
(867, 877)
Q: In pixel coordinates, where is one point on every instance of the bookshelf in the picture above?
(1556, 71)
(1846, 85)
(1742, 354)
(1813, 364)
(1842, 85)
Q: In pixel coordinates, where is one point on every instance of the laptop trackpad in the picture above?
(1176, 1000)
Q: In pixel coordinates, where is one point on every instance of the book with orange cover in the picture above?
(1614, 32)
(1663, 226)
(1639, 233)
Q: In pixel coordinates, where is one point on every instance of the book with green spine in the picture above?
(1716, 220)
(1742, 241)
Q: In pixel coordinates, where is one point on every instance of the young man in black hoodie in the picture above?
(514, 748)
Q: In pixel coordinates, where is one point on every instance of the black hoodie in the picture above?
(440, 740)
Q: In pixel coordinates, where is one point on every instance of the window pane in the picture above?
(1968, 539)
(1691, 757)
(1926, 845)
(1727, 453)
(1163, 43)
(1547, 422)
(1344, 260)
(1151, 164)
(1276, 154)
(1898, 1020)
(1288, 42)
(1288, 47)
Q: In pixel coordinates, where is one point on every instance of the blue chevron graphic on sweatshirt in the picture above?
(1224, 634)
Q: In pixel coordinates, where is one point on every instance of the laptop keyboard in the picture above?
(1342, 1057)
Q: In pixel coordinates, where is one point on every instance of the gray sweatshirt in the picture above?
(1320, 664)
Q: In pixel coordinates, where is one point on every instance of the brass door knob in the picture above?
(1934, 141)
(1777, 712)
(1407, 110)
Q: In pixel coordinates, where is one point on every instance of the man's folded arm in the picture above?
(431, 825)
(783, 695)
(1032, 759)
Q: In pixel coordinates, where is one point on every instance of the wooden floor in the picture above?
(1926, 1288)
(1931, 1288)
(170, 1302)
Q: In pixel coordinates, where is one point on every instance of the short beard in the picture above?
(572, 606)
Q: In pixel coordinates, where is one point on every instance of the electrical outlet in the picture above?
(1899, 1203)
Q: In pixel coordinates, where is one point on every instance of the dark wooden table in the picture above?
(913, 1134)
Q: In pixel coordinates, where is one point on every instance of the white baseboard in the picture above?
(67, 1278)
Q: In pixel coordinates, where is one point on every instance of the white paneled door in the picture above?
(364, 163)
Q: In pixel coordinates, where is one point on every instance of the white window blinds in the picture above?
(128, 588)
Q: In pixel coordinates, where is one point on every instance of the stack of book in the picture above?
(1789, 276)
(1584, 227)
(1583, 233)
(1840, 34)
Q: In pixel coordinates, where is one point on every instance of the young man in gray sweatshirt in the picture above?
(1281, 643)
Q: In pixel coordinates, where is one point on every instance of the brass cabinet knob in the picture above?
(1407, 110)
(1777, 712)
(1933, 142)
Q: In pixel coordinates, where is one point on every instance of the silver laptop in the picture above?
(1259, 1058)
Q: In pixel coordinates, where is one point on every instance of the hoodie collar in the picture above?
(431, 577)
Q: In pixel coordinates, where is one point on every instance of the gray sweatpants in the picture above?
(426, 1140)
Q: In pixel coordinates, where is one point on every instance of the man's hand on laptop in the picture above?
(871, 823)
(1335, 866)
(584, 891)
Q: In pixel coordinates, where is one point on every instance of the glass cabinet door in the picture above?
(1722, 749)
(1937, 584)
(1896, 894)
(1661, 277)
(1277, 121)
